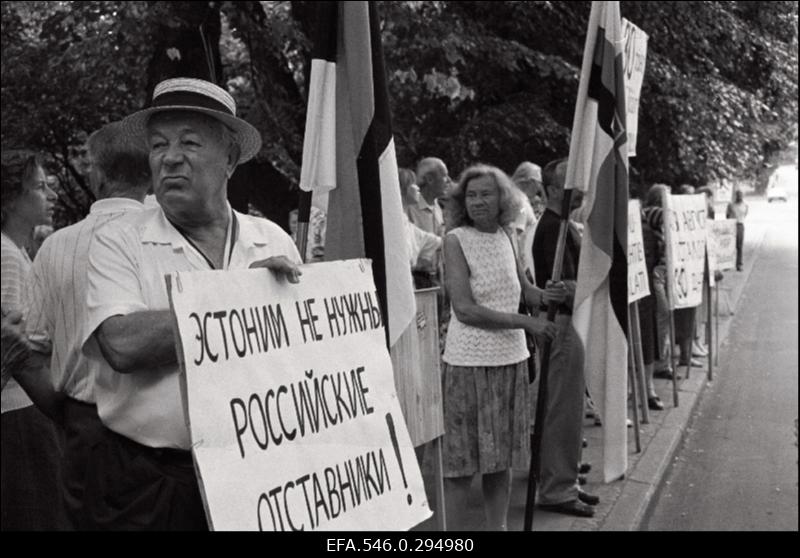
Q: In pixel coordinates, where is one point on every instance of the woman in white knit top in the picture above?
(485, 374)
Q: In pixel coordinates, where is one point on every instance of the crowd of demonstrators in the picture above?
(486, 408)
(96, 308)
(94, 359)
(57, 315)
(30, 442)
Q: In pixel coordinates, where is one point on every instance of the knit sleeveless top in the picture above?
(494, 283)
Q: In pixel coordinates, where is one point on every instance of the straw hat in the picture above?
(202, 96)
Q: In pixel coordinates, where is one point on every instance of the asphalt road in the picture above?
(737, 468)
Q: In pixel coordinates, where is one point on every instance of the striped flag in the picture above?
(349, 151)
(598, 165)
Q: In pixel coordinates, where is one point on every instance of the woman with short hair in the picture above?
(31, 496)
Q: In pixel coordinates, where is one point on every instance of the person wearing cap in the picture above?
(119, 176)
(142, 476)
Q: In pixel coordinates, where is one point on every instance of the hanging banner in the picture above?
(686, 248)
(292, 408)
(633, 61)
(722, 244)
(638, 286)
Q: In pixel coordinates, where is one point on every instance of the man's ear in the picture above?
(233, 160)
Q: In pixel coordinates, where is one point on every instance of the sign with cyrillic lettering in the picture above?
(722, 242)
(292, 407)
(633, 63)
(686, 249)
(638, 286)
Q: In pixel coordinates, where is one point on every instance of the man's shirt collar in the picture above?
(114, 205)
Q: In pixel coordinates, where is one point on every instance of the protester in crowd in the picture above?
(562, 439)
(685, 318)
(56, 318)
(709, 194)
(699, 349)
(653, 219)
(486, 408)
(528, 178)
(523, 227)
(317, 224)
(424, 248)
(654, 255)
(30, 447)
(141, 475)
(737, 209)
(433, 181)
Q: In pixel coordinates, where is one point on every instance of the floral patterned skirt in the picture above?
(486, 419)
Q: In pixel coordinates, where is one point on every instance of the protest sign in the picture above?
(722, 244)
(633, 62)
(686, 248)
(292, 408)
(417, 376)
(638, 286)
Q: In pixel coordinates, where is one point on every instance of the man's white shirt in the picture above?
(127, 266)
(57, 316)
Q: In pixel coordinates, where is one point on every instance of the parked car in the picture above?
(776, 192)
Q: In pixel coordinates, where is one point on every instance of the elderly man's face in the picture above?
(439, 181)
(190, 161)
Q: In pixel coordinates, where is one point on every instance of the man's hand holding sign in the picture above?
(294, 419)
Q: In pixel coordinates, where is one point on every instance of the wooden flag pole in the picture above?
(670, 298)
(636, 330)
(632, 378)
(672, 361)
(691, 343)
(541, 399)
(716, 322)
(709, 330)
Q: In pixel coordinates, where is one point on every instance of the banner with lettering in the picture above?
(722, 244)
(292, 407)
(638, 286)
(686, 248)
(633, 61)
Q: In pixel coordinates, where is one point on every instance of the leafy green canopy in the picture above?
(469, 81)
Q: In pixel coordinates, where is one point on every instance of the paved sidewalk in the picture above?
(623, 503)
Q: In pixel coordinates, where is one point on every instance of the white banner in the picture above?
(686, 248)
(633, 62)
(293, 413)
(638, 286)
(722, 244)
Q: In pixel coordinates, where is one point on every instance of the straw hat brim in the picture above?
(249, 139)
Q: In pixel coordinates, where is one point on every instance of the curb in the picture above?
(646, 478)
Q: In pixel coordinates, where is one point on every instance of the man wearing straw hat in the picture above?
(142, 475)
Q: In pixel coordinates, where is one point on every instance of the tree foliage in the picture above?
(469, 81)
